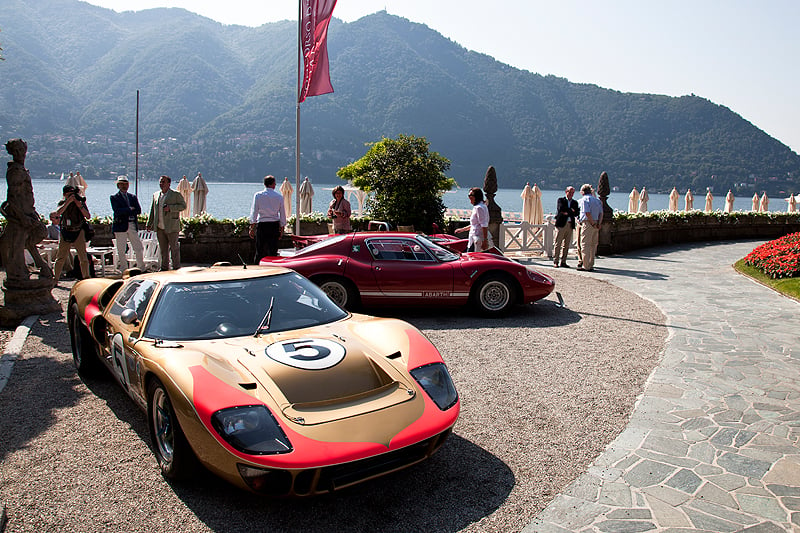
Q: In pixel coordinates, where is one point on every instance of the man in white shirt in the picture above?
(589, 222)
(267, 220)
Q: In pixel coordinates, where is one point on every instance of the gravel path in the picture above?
(543, 392)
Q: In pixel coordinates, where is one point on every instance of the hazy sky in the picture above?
(742, 54)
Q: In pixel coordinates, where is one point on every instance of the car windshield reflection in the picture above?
(442, 254)
(235, 308)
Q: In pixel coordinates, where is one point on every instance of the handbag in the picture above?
(88, 231)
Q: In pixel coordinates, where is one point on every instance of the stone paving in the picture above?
(714, 442)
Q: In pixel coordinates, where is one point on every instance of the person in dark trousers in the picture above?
(567, 210)
(267, 220)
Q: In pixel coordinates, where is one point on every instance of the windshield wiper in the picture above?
(264, 324)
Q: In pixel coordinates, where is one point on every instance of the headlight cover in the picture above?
(538, 277)
(251, 429)
(435, 381)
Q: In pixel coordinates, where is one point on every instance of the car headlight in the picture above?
(251, 429)
(538, 277)
(435, 381)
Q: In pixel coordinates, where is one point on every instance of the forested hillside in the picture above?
(221, 99)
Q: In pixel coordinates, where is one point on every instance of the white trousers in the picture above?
(136, 243)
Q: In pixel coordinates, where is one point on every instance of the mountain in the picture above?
(221, 99)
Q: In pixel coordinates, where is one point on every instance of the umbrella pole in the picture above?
(297, 122)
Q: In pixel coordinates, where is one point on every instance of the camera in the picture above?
(333, 216)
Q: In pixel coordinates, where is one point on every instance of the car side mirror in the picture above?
(129, 317)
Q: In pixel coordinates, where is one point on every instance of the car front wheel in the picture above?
(172, 450)
(494, 295)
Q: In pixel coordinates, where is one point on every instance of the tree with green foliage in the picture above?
(406, 180)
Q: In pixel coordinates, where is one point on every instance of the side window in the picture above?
(389, 249)
(136, 295)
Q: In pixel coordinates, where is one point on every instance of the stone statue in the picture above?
(495, 211)
(24, 230)
(604, 238)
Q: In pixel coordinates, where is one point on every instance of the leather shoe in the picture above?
(564, 265)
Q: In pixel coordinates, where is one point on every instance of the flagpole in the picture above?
(136, 183)
(297, 120)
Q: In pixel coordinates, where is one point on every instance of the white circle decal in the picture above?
(307, 354)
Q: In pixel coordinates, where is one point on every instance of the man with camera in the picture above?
(73, 213)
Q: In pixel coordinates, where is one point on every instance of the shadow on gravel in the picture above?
(39, 387)
(543, 314)
(459, 485)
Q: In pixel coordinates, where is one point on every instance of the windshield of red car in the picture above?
(440, 253)
(234, 308)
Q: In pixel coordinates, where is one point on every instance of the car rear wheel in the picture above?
(84, 348)
(494, 295)
(172, 450)
(340, 290)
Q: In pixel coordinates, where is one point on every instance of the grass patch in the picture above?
(787, 286)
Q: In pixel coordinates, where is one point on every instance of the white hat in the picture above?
(122, 179)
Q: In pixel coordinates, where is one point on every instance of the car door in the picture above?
(122, 359)
(407, 273)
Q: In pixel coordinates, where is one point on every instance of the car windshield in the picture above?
(441, 254)
(235, 308)
(311, 248)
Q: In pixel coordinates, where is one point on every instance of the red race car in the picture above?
(401, 269)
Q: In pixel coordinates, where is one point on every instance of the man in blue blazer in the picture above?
(125, 227)
(566, 211)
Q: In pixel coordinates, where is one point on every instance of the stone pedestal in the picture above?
(24, 298)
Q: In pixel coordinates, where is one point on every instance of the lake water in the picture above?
(232, 200)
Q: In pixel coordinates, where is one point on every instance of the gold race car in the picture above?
(254, 373)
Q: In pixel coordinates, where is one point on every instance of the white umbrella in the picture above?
(643, 199)
(286, 192)
(185, 188)
(689, 200)
(527, 203)
(537, 214)
(673, 199)
(306, 192)
(764, 203)
(200, 190)
(755, 202)
(729, 201)
(709, 202)
(633, 201)
(792, 204)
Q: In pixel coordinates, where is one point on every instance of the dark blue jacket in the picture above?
(122, 212)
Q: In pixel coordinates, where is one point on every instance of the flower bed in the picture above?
(779, 258)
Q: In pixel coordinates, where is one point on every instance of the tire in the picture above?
(172, 450)
(84, 349)
(340, 290)
(494, 295)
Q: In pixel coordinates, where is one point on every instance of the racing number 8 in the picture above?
(307, 354)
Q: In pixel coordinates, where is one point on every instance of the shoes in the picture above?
(555, 264)
(581, 269)
(565, 265)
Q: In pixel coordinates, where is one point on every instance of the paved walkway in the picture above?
(714, 443)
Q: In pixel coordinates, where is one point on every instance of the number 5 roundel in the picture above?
(307, 354)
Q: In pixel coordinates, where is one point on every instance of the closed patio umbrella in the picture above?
(755, 202)
(286, 192)
(729, 201)
(689, 199)
(673, 199)
(185, 188)
(527, 203)
(200, 192)
(537, 214)
(306, 194)
(633, 201)
(709, 201)
(643, 199)
(792, 204)
(764, 203)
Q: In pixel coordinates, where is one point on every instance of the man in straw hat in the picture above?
(125, 226)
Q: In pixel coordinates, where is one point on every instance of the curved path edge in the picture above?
(713, 443)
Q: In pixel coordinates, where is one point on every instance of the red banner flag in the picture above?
(315, 15)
